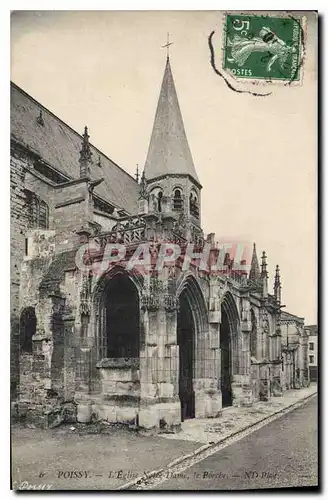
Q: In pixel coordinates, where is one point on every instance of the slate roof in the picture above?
(51, 279)
(59, 145)
(169, 151)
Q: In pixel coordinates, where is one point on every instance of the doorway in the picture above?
(27, 329)
(226, 361)
(186, 332)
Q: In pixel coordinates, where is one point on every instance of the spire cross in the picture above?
(167, 45)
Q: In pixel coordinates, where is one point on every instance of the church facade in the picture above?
(119, 310)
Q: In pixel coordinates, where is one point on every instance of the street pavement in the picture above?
(64, 459)
(279, 455)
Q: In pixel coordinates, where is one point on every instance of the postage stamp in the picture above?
(263, 47)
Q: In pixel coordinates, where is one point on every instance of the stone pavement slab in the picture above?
(233, 419)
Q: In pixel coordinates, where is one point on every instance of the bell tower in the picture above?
(172, 182)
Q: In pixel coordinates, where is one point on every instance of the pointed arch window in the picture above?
(177, 200)
(38, 211)
(159, 201)
(156, 199)
(119, 331)
(193, 205)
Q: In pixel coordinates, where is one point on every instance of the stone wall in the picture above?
(120, 389)
(70, 207)
(18, 228)
(168, 184)
(35, 366)
(107, 222)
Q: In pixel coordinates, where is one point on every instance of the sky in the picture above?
(256, 157)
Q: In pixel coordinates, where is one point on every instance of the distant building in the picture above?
(294, 352)
(312, 331)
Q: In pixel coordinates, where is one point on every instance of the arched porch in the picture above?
(198, 378)
(231, 351)
(118, 332)
(110, 350)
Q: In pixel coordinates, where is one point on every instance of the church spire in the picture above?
(254, 273)
(277, 285)
(85, 155)
(264, 275)
(169, 151)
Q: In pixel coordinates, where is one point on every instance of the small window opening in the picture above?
(159, 201)
(193, 205)
(177, 200)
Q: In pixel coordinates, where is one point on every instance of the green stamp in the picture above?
(263, 47)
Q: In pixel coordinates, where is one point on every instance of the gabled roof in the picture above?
(169, 151)
(286, 316)
(59, 145)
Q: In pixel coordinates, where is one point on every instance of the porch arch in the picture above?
(195, 297)
(191, 338)
(116, 308)
(229, 308)
(229, 346)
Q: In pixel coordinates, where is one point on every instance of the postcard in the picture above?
(163, 186)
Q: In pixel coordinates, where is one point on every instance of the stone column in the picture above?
(297, 361)
(276, 384)
(168, 382)
(264, 382)
(305, 367)
(245, 357)
(209, 401)
(237, 376)
(208, 397)
(159, 359)
(148, 366)
(84, 361)
(70, 357)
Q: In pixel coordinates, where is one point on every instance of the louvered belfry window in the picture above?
(38, 211)
(177, 200)
(193, 205)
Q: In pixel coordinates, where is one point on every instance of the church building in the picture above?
(94, 337)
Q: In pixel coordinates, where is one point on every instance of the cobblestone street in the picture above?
(281, 454)
(235, 419)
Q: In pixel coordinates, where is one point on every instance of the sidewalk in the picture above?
(104, 457)
(236, 419)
